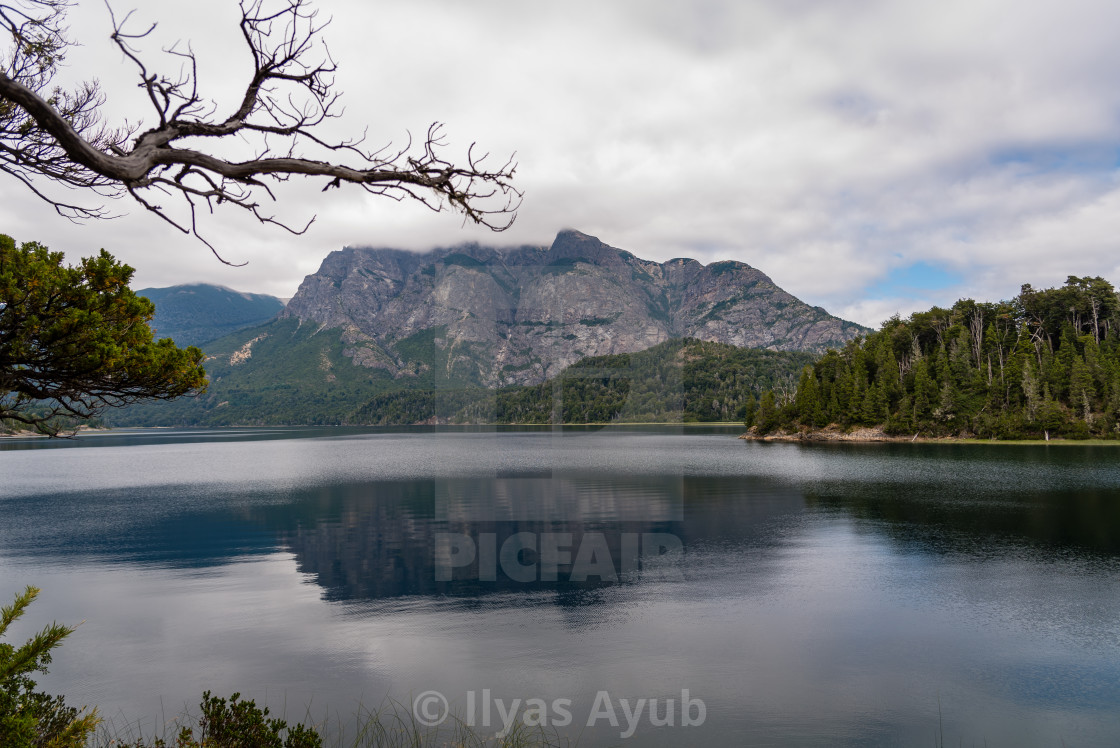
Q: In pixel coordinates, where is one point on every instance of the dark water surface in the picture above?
(823, 595)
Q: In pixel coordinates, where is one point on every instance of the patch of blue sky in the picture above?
(1094, 158)
(913, 280)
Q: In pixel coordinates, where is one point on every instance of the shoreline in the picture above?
(28, 433)
(831, 434)
(867, 435)
(538, 426)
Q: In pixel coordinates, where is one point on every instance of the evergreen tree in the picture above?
(29, 718)
(807, 401)
(1082, 388)
(75, 341)
(1050, 414)
(750, 411)
(768, 417)
(1044, 363)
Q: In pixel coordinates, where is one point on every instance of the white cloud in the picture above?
(823, 142)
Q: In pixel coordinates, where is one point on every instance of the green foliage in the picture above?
(563, 265)
(421, 346)
(768, 417)
(29, 718)
(242, 725)
(286, 373)
(725, 266)
(235, 724)
(678, 380)
(462, 260)
(722, 306)
(810, 409)
(298, 375)
(1045, 363)
(750, 410)
(597, 321)
(75, 340)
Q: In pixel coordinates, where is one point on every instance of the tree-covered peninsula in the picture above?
(1046, 363)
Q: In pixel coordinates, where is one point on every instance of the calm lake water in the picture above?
(877, 594)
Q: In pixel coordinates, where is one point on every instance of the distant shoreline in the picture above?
(866, 435)
(833, 434)
(610, 424)
(25, 433)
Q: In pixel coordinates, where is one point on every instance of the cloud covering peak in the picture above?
(833, 144)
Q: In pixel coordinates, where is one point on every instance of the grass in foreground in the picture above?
(242, 724)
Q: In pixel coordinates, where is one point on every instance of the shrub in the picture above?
(29, 718)
(236, 724)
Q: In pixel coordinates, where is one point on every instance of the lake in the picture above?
(753, 593)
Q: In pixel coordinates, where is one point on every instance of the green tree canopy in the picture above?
(1046, 362)
(30, 718)
(76, 340)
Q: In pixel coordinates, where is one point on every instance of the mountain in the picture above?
(383, 335)
(493, 317)
(199, 313)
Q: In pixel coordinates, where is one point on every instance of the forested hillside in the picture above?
(687, 380)
(291, 376)
(1044, 363)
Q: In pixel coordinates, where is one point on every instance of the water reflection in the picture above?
(380, 539)
(375, 539)
(1049, 522)
(831, 595)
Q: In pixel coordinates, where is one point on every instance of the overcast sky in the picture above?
(871, 157)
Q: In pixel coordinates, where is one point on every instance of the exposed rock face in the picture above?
(519, 316)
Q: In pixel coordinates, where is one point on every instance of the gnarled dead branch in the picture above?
(57, 136)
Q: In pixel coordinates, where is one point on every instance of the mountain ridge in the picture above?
(199, 313)
(523, 314)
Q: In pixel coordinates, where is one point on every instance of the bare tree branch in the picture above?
(46, 133)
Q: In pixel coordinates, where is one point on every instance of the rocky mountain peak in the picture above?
(517, 316)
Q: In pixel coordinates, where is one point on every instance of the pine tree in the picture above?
(28, 718)
(810, 410)
(750, 411)
(1047, 362)
(768, 416)
(1050, 414)
(925, 394)
(1082, 388)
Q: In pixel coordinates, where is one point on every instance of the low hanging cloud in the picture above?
(830, 144)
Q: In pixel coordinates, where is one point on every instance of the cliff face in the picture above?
(519, 316)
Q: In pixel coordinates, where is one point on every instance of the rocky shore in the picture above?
(876, 434)
(829, 434)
